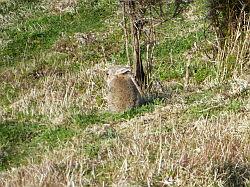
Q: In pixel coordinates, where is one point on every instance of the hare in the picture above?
(123, 91)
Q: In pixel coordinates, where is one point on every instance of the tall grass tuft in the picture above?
(226, 15)
(233, 55)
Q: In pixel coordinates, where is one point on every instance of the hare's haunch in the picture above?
(123, 92)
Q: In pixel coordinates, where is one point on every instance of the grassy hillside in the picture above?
(55, 129)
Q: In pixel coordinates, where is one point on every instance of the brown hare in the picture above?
(123, 91)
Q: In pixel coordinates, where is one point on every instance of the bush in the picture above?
(225, 15)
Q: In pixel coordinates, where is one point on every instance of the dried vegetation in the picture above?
(54, 127)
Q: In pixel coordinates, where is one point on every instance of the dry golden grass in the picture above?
(194, 137)
(168, 147)
(57, 93)
(161, 148)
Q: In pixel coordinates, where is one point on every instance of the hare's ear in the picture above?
(123, 71)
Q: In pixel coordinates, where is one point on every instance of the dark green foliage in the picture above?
(202, 71)
(20, 140)
(7, 93)
(234, 174)
(14, 137)
(226, 15)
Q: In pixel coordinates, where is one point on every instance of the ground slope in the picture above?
(54, 126)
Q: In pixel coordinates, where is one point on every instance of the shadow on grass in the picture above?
(233, 174)
(18, 141)
(107, 117)
(13, 137)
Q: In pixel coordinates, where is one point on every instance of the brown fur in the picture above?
(123, 91)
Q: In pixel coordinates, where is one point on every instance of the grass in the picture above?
(40, 33)
(54, 125)
(8, 93)
(107, 117)
(208, 110)
(21, 140)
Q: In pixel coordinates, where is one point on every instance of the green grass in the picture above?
(20, 7)
(99, 146)
(15, 138)
(39, 34)
(201, 96)
(208, 108)
(20, 140)
(8, 93)
(179, 44)
(170, 52)
(106, 117)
